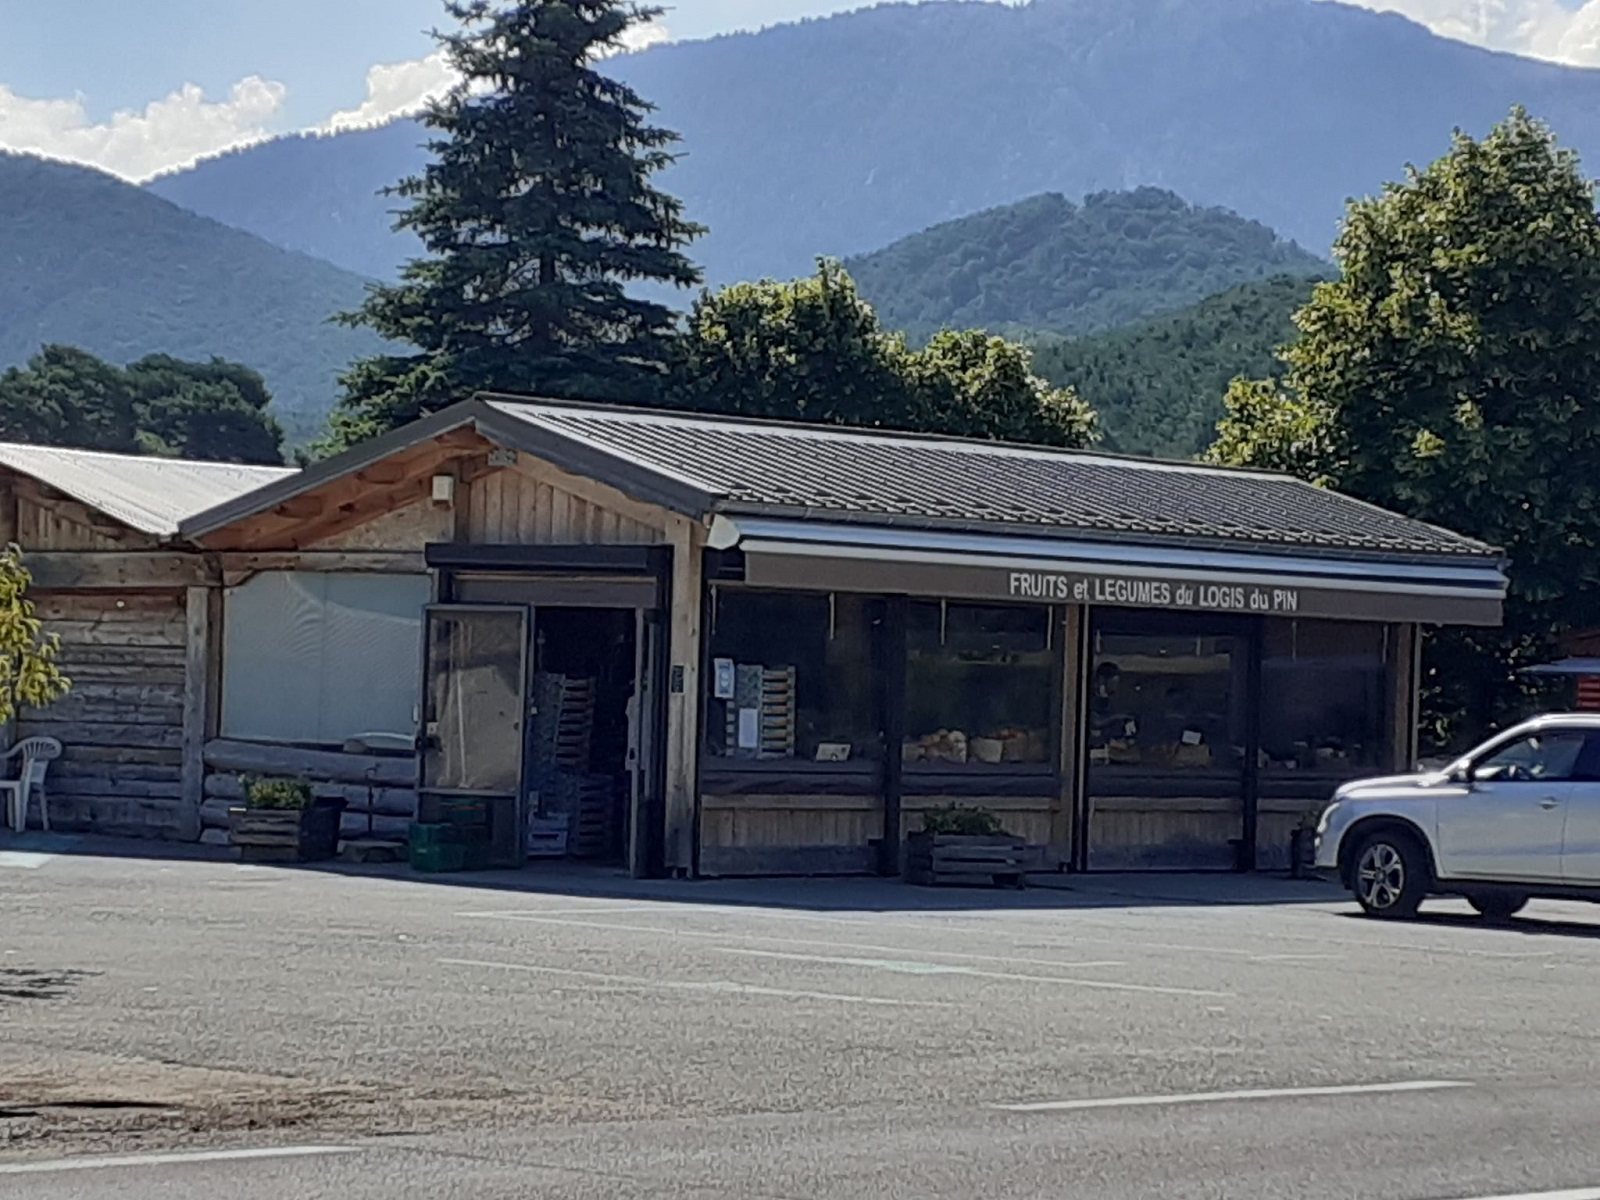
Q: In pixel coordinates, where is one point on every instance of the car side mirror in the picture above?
(1462, 775)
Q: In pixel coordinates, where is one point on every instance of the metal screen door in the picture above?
(474, 708)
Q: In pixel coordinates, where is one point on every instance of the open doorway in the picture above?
(582, 733)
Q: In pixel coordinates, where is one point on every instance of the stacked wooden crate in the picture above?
(770, 693)
(585, 803)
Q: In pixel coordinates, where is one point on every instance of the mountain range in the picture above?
(97, 263)
(840, 135)
(1046, 263)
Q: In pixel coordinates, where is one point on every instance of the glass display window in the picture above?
(981, 682)
(792, 678)
(1324, 699)
(1166, 694)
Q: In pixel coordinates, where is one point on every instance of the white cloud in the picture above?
(403, 88)
(397, 89)
(171, 132)
(1539, 28)
(642, 37)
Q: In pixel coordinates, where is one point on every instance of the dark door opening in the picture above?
(582, 733)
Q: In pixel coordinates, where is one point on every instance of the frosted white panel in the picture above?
(321, 657)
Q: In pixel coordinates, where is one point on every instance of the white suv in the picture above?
(1516, 818)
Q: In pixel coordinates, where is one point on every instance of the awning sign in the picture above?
(1051, 588)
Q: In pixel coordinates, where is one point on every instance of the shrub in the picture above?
(290, 795)
(962, 819)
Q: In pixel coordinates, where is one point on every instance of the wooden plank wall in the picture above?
(40, 518)
(789, 835)
(534, 503)
(1148, 833)
(121, 726)
(832, 835)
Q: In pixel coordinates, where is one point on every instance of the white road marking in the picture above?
(24, 859)
(926, 968)
(101, 1162)
(1569, 1194)
(832, 943)
(649, 907)
(724, 986)
(1355, 1089)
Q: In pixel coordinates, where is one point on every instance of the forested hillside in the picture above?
(840, 136)
(1158, 385)
(1049, 264)
(93, 262)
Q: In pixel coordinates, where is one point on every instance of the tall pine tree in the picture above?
(536, 212)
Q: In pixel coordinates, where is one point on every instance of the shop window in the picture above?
(319, 657)
(1167, 695)
(792, 678)
(980, 687)
(1324, 696)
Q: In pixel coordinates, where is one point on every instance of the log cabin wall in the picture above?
(121, 725)
(124, 649)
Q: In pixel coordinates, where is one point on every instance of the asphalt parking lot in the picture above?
(197, 1028)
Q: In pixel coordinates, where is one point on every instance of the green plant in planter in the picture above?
(962, 820)
(283, 795)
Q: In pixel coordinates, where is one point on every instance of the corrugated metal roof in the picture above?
(908, 479)
(150, 494)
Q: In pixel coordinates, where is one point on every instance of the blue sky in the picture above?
(140, 86)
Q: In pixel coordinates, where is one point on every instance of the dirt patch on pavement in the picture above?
(20, 983)
(88, 1104)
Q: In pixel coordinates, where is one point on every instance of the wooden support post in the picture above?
(1064, 805)
(1078, 778)
(1405, 678)
(199, 687)
(683, 694)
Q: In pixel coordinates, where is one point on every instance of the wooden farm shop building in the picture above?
(703, 646)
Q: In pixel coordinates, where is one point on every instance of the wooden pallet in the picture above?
(937, 859)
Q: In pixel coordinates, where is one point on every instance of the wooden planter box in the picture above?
(941, 858)
(286, 835)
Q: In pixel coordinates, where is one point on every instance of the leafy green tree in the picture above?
(28, 671)
(67, 397)
(812, 350)
(213, 410)
(1453, 373)
(217, 411)
(804, 350)
(537, 213)
(972, 384)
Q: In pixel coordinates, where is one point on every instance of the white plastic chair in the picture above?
(37, 753)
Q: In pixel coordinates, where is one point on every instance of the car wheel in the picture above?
(1498, 906)
(1391, 875)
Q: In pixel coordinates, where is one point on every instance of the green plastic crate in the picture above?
(439, 857)
(434, 834)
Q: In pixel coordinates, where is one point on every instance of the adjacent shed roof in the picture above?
(150, 494)
(702, 465)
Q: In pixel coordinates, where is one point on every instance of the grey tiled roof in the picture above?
(767, 467)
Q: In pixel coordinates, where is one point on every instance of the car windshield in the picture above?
(1549, 754)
